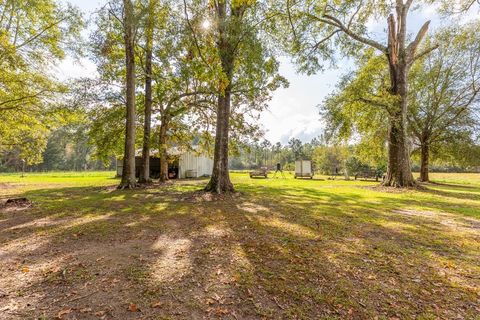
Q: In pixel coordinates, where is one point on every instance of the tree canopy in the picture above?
(443, 105)
(34, 36)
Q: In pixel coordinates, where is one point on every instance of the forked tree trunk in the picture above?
(400, 58)
(145, 169)
(425, 155)
(163, 149)
(220, 180)
(128, 174)
(399, 173)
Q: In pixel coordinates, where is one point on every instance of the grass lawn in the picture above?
(279, 249)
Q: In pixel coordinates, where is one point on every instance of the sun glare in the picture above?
(206, 24)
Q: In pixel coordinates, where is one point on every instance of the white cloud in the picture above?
(293, 111)
(70, 68)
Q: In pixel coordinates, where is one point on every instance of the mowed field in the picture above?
(277, 249)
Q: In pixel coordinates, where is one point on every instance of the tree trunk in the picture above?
(399, 173)
(145, 169)
(345, 172)
(220, 180)
(163, 150)
(128, 174)
(425, 155)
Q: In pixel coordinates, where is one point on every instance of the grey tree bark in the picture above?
(128, 173)
(400, 59)
(163, 149)
(424, 170)
(145, 172)
(220, 180)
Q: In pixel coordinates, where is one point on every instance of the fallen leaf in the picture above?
(63, 312)
(133, 307)
(156, 305)
(25, 269)
(100, 313)
(219, 311)
(85, 310)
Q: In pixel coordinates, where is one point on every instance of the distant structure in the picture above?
(303, 169)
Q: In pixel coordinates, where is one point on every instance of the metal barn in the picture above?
(181, 164)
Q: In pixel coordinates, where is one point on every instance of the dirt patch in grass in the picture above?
(416, 213)
(380, 188)
(203, 196)
(6, 185)
(445, 219)
(16, 204)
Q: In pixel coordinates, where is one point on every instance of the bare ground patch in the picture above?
(380, 188)
(203, 196)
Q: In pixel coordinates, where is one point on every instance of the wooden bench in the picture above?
(262, 172)
(368, 175)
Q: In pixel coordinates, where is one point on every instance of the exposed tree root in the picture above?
(142, 181)
(127, 185)
(395, 183)
(219, 188)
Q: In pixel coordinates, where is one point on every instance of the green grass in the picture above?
(281, 248)
(93, 178)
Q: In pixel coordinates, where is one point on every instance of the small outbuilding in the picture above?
(181, 164)
(303, 169)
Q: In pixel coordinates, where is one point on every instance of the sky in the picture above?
(293, 111)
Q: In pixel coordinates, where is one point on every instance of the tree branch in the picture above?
(425, 52)
(40, 33)
(195, 40)
(17, 100)
(412, 47)
(337, 23)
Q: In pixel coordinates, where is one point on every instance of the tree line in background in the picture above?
(330, 158)
(68, 148)
(197, 73)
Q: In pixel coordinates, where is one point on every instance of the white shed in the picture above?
(303, 169)
(193, 165)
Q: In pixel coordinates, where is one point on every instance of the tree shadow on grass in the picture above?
(454, 185)
(454, 191)
(374, 260)
(298, 252)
